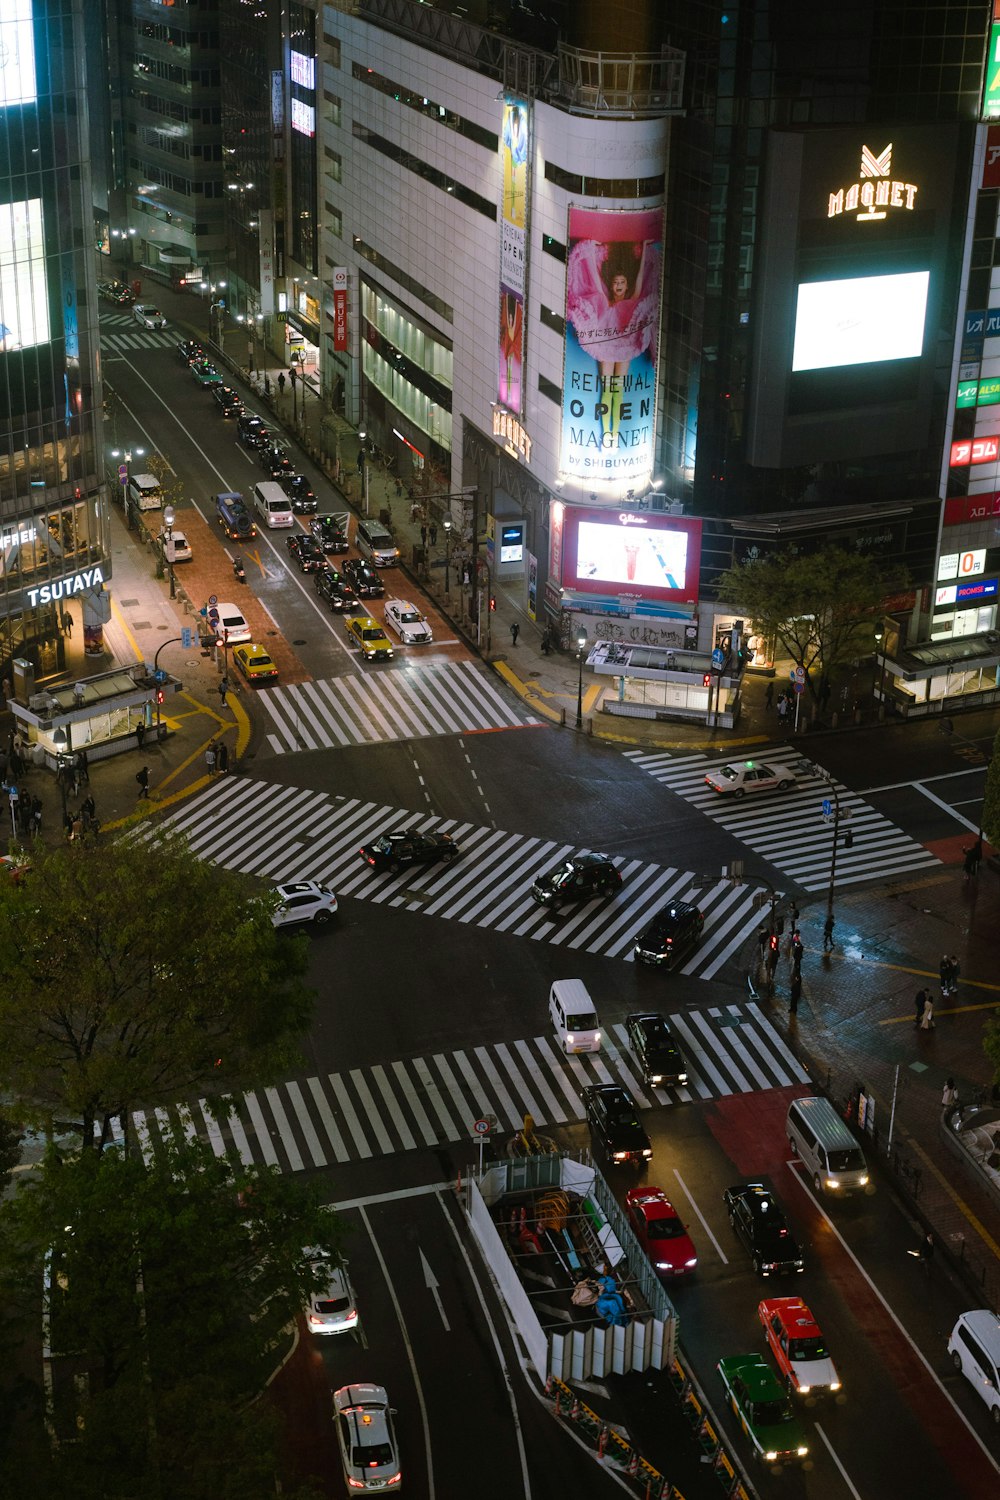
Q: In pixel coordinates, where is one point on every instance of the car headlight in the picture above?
(619, 1156)
(770, 1456)
(802, 1451)
(835, 1385)
(864, 1180)
(831, 1182)
(804, 1390)
(682, 1078)
(647, 1152)
(656, 1078)
(690, 1264)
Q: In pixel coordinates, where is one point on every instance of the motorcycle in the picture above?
(239, 570)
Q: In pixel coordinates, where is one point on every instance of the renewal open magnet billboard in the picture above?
(613, 285)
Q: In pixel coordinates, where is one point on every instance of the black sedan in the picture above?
(188, 350)
(332, 589)
(658, 1055)
(394, 851)
(252, 431)
(758, 1220)
(275, 459)
(673, 932)
(299, 492)
(116, 292)
(227, 400)
(613, 1117)
(307, 552)
(329, 533)
(363, 579)
(578, 879)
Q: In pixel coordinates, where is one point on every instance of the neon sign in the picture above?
(876, 192)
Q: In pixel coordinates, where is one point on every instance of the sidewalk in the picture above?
(855, 1022)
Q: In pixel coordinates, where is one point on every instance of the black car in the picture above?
(757, 1218)
(275, 459)
(393, 851)
(306, 551)
(331, 587)
(328, 532)
(299, 492)
(116, 292)
(660, 1059)
(577, 879)
(613, 1117)
(188, 350)
(227, 400)
(672, 933)
(363, 579)
(251, 430)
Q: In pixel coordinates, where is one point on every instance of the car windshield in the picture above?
(409, 617)
(730, 773)
(771, 1413)
(372, 635)
(848, 1160)
(584, 1020)
(383, 844)
(665, 1229)
(371, 1455)
(807, 1349)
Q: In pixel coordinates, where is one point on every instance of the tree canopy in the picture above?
(136, 974)
(821, 607)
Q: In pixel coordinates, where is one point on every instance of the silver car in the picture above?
(334, 1308)
(368, 1449)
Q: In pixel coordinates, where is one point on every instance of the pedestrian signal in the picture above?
(706, 679)
(159, 695)
(773, 942)
(493, 601)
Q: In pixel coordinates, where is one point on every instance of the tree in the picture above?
(167, 1287)
(821, 606)
(137, 974)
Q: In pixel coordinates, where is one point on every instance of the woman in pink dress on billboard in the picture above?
(613, 303)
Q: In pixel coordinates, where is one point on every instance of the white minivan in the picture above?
(974, 1347)
(826, 1148)
(573, 1016)
(272, 504)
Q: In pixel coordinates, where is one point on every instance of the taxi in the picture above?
(762, 1409)
(370, 639)
(254, 663)
(799, 1349)
(750, 776)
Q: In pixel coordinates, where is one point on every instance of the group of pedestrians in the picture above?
(26, 811)
(217, 758)
(82, 824)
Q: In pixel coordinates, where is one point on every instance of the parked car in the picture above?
(613, 1116)
(759, 1222)
(578, 879)
(674, 931)
(299, 492)
(331, 588)
(660, 1059)
(229, 624)
(798, 1347)
(408, 623)
(363, 579)
(366, 1438)
(255, 663)
(303, 901)
(175, 545)
(763, 1409)
(148, 315)
(329, 532)
(307, 552)
(750, 776)
(395, 851)
(661, 1232)
(369, 637)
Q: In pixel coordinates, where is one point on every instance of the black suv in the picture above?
(332, 588)
(660, 1059)
(299, 492)
(578, 879)
(760, 1223)
(613, 1117)
(672, 933)
(251, 430)
(275, 459)
(327, 531)
(363, 579)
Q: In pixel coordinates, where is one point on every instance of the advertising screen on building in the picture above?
(613, 280)
(17, 54)
(860, 321)
(642, 554)
(514, 165)
(24, 303)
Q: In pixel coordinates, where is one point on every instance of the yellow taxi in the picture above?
(369, 637)
(254, 662)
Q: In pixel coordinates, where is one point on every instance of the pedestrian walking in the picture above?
(140, 734)
(919, 1001)
(769, 695)
(84, 766)
(223, 690)
(949, 1094)
(76, 828)
(782, 708)
(24, 815)
(954, 970)
(515, 631)
(210, 758)
(977, 857)
(87, 808)
(794, 993)
(423, 534)
(281, 384)
(944, 969)
(762, 940)
(926, 1252)
(142, 777)
(67, 624)
(77, 775)
(432, 532)
(927, 1018)
(828, 926)
(223, 758)
(36, 815)
(795, 951)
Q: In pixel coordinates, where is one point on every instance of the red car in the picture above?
(798, 1347)
(660, 1231)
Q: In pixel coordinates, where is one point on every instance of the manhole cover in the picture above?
(730, 1020)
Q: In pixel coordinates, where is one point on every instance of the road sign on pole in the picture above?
(799, 673)
(827, 807)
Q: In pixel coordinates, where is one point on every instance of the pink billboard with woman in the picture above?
(613, 287)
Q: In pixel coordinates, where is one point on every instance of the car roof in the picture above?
(650, 1198)
(360, 1395)
(363, 621)
(760, 1380)
(793, 1313)
(298, 888)
(611, 1091)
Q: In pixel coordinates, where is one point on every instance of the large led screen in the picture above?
(860, 321)
(24, 303)
(17, 54)
(641, 554)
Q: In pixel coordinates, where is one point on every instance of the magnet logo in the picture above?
(875, 192)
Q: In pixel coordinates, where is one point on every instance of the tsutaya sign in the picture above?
(64, 588)
(516, 440)
(876, 192)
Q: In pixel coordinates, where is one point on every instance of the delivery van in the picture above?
(573, 1016)
(144, 492)
(272, 505)
(826, 1148)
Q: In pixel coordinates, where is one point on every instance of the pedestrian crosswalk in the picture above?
(412, 703)
(419, 1102)
(122, 334)
(286, 833)
(790, 829)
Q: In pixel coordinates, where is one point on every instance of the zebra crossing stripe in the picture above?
(350, 1115)
(239, 1136)
(306, 1125)
(260, 1127)
(329, 1124)
(508, 1110)
(402, 1129)
(284, 1129)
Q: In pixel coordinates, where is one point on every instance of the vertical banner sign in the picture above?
(513, 252)
(991, 158)
(613, 283)
(266, 243)
(340, 308)
(991, 83)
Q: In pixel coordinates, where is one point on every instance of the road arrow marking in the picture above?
(431, 1283)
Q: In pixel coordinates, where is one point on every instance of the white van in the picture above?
(974, 1347)
(376, 544)
(144, 491)
(826, 1148)
(272, 504)
(573, 1016)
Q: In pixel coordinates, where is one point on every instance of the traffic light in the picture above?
(706, 679)
(159, 696)
(493, 601)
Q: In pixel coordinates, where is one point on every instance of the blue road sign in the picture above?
(827, 807)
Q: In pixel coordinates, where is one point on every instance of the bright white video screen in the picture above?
(647, 557)
(861, 321)
(17, 54)
(24, 303)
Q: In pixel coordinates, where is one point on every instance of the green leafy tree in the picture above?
(820, 606)
(136, 974)
(168, 1287)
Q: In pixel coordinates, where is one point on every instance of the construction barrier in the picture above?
(608, 1444)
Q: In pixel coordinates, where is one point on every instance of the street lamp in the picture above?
(581, 644)
(166, 538)
(363, 460)
(125, 456)
(821, 775)
(446, 523)
(879, 636)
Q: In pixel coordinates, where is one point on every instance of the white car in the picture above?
(303, 901)
(367, 1440)
(750, 776)
(407, 621)
(148, 315)
(228, 624)
(176, 547)
(334, 1308)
